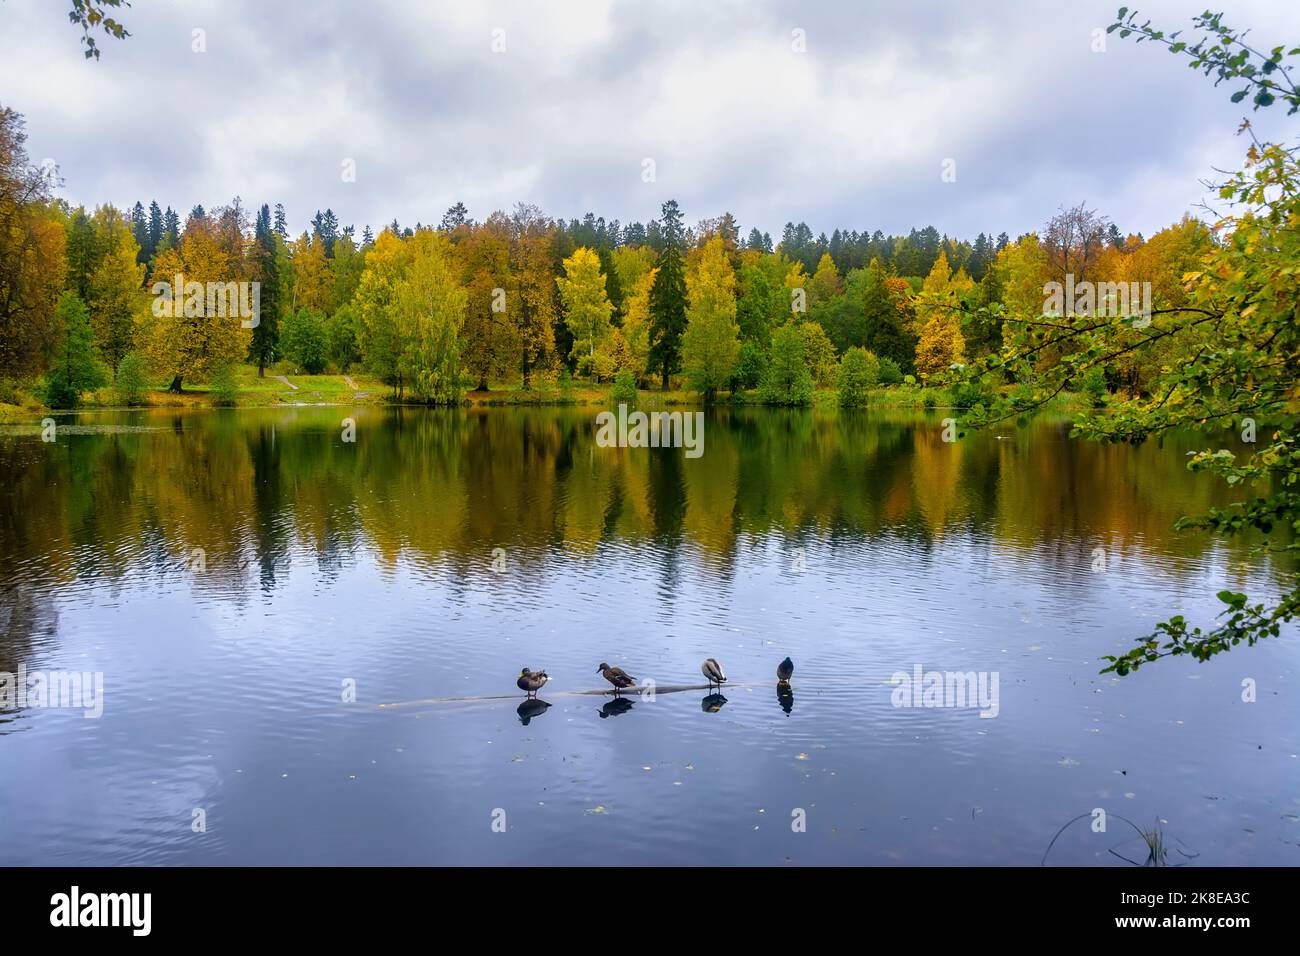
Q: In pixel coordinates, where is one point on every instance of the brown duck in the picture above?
(620, 678)
(529, 682)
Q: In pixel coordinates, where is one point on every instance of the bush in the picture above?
(224, 387)
(890, 373)
(750, 367)
(788, 381)
(859, 370)
(819, 354)
(304, 340)
(1094, 385)
(624, 389)
(966, 395)
(132, 386)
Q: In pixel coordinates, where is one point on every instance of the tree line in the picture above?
(522, 297)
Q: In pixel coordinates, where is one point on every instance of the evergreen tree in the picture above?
(262, 349)
(140, 229)
(281, 223)
(75, 368)
(457, 215)
(668, 295)
(171, 229)
(155, 229)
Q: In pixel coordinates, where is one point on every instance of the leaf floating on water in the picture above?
(801, 756)
(596, 809)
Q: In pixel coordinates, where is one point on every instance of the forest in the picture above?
(524, 301)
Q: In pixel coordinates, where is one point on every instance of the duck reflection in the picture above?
(616, 706)
(785, 697)
(712, 704)
(533, 707)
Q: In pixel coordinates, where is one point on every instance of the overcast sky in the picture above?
(853, 132)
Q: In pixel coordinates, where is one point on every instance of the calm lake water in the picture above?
(230, 572)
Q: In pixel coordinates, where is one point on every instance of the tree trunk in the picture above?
(261, 366)
(175, 386)
(664, 386)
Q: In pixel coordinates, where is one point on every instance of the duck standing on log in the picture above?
(620, 678)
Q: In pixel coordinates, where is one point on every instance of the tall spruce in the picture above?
(266, 333)
(140, 228)
(668, 295)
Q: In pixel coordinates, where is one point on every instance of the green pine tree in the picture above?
(668, 296)
(75, 368)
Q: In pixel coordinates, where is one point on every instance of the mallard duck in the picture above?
(617, 676)
(530, 682)
(784, 671)
(712, 670)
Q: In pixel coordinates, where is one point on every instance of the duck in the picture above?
(712, 670)
(617, 676)
(531, 682)
(784, 671)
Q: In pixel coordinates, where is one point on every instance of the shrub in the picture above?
(966, 395)
(1094, 385)
(224, 387)
(788, 381)
(859, 370)
(750, 367)
(132, 386)
(304, 340)
(890, 373)
(624, 389)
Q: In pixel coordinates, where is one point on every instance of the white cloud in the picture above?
(850, 133)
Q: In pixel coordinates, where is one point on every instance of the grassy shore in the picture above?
(280, 386)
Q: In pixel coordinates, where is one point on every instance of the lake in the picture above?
(309, 646)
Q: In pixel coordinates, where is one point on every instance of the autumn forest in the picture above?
(526, 302)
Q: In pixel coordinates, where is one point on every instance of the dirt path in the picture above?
(351, 384)
(281, 378)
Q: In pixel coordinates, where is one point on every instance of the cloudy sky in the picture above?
(852, 132)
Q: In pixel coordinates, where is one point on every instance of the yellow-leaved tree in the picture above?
(711, 342)
(117, 299)
(636, 323)
(192, 335)
(378, 338)
(941, 343)
(430, 310)
(587, 311)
